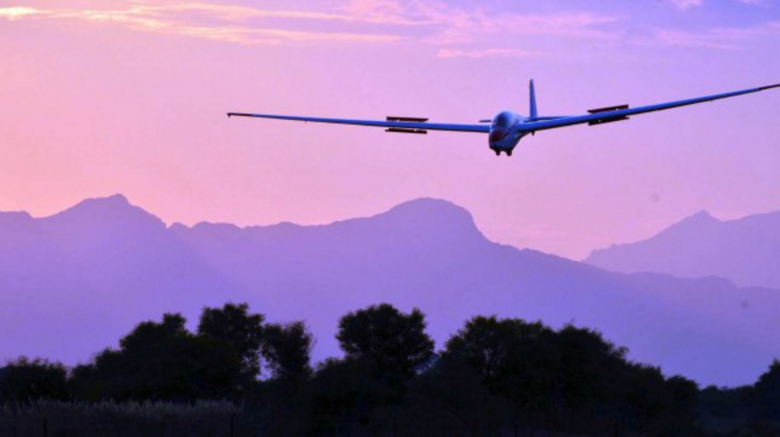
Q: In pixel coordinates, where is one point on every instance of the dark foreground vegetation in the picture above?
(238, 375)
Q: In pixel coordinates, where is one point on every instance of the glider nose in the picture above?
(498, 134)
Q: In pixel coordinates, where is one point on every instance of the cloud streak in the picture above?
(722, 38)
(486, 53)
(447, 28)
(436, 23)
(17, 13)
(467, 24)
(173, 20)
(689, 4)
(686, 4)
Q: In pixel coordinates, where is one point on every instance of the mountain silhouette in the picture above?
(74, 283)
(744, 251)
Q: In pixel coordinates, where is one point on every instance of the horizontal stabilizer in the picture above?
(401, 130)
(607, 109)
(408, 119)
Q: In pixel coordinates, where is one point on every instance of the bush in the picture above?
(25, 380)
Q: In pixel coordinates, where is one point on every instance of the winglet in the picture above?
(533, 112)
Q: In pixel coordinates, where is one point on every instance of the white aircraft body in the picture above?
(507, 128)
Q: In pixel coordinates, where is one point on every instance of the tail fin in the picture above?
(533, 112)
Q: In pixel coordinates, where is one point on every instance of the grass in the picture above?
(127, 419)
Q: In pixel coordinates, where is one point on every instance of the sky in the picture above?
(99, 97)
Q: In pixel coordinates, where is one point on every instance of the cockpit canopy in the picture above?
(504, 119)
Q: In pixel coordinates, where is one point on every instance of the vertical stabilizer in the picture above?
(533, 112)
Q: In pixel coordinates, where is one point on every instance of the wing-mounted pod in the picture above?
(607, 118)
(408, 130)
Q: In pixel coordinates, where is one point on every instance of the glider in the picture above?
(507, 128)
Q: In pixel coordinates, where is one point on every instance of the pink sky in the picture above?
(103, 97)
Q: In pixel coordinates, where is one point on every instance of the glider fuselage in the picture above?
(505, 132)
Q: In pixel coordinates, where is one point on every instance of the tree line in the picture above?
(494, 377)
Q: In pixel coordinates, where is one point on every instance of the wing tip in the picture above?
(769, 87)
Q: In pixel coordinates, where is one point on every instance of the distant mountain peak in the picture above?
(15, 215)
(700, 221)
(432, 213)
(15, 220)
(701, 216)
(111, 210)
(428, 205)
(431, 207)
(428, 202)
(746, 251)
(117, 198)
(115, 201)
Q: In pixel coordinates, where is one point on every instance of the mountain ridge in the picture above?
(96, 284)
(745, 251)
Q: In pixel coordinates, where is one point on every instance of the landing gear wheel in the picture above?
(498, 152)
(508, 153)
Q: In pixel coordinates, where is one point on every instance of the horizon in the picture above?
(168, 224)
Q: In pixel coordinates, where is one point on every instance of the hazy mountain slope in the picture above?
(745, 251)
(73, 283)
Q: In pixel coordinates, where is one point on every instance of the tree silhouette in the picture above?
(724, 410)
(383, 347)
(516, 360)
(571, 380)
(160, 361)
(287, 350)
(244, 331)
(452, 399)
(588, 371)
(344, 394)
(765, 399)
(494, 377)
(394, 341)
(511, 355)
(25, 379)
(682, 398)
